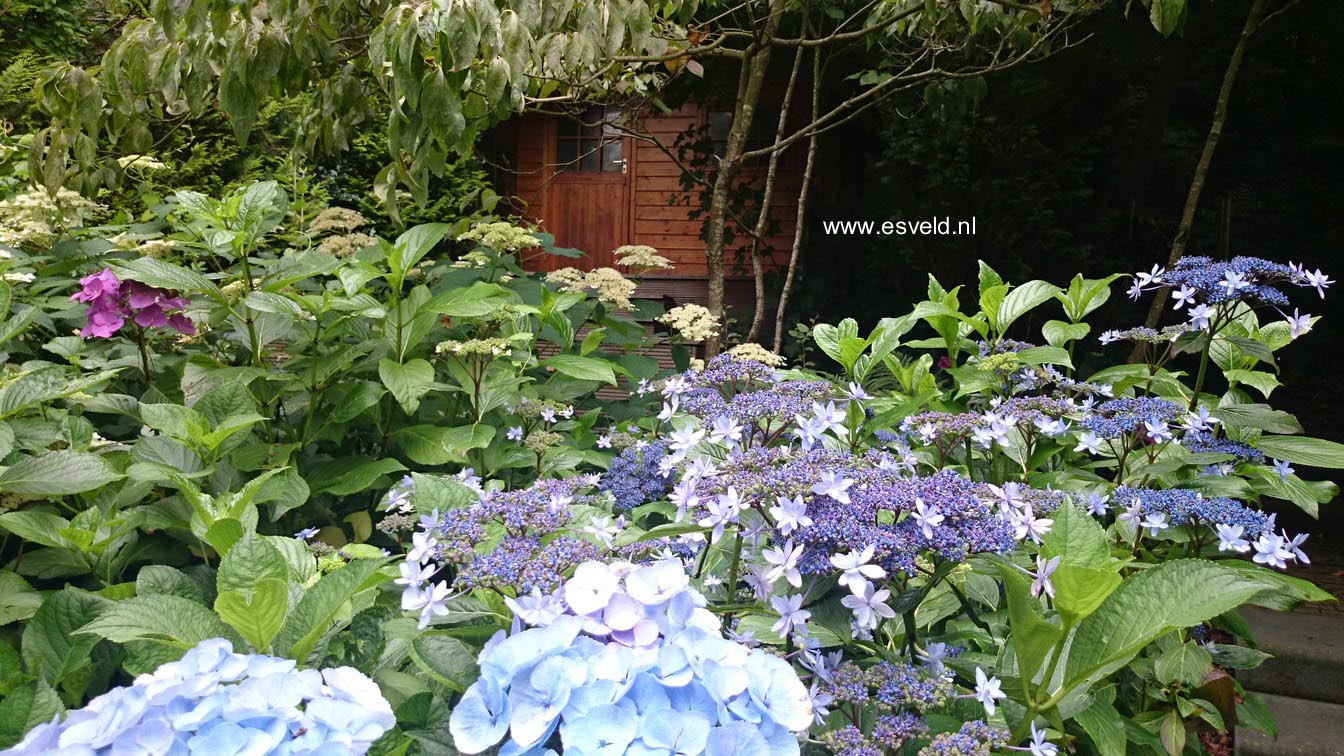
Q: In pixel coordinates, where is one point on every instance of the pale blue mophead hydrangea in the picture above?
(624, 659)
(214, 701)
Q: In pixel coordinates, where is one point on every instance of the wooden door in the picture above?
(588, 200)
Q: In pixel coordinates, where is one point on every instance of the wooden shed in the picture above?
(596, 187)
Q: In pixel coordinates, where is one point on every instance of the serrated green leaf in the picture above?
(408, 382)
(1075, 538)
(58, 473)
(583, 368)
(1185, 663)
(51, 649)
(316, 612)
(1316, 452)
(258, 616)
(1167, 597)
(163, 619)
(251, 560)
(445, 658)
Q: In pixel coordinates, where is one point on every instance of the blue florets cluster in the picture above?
(634, 477)
(1209, 279)
(975, 738)
(626, 659)
(1115, 418)
(1205, 443)
(902, 695)
(214, 701)
(526, 554)
(1184, 506)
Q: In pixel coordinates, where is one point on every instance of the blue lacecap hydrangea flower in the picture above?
(626, 659)
(634, 478)
(214, 701)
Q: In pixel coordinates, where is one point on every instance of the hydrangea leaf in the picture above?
(446, 659)
(251, 561)
(168, 620)
(258, 616)
(408, 382)
(58, 473)
(1170, 596)
(1075, 538)
(320, 605)
(582, 368)
(1185, 663)
(1033, 636)
(24, 707)
(1316, 452)
(51, 649)
(159, 579)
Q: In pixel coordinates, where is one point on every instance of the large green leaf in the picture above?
(583, 368)
(408, 382)
(1023, 299)
(1170, 596)
(415, 243)
(1033, 636)
(24, 707)
(433, 445)
(36, 526)
(165, 275)
(159, 579)
(321, 605)
(164, 619)
(51, 647)
(347, 475)
(251, 560)
(1075, 538)
(18, 600)
(58, 473)
(1316, 452)
(258, 615)
(1104, 724)
(445, 658)
(1260, 416)
(1184, 662)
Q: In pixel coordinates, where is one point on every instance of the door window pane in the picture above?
(591, 143)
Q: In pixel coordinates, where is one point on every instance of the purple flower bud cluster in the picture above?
(634, 477)
(1117, 417)
(873, 510)
(1003, 346)
(1210, 278)
(975, 738)
(1183, 506)
(527, 555)
(112, 301)
(1200, 442)
(900, 693)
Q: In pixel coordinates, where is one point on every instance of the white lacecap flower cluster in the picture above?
(608, 284)
(757, 353)
(691, 322)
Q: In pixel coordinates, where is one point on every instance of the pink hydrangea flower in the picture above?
(111, 301)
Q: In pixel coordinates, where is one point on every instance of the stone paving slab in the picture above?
(1306, 728)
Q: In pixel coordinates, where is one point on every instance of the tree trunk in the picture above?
(1178, 244)
(755, 63)
(767, 192)
(800, 219)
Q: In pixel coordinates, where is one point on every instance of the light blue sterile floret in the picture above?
(635, 665)
(214, 701)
